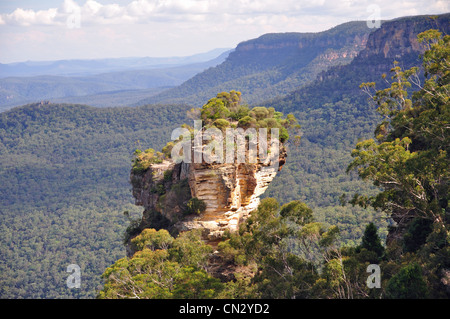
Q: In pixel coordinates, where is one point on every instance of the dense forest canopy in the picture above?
(65, 185)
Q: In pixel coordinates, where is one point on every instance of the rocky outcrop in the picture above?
(229, 191)
(398, 38)
(300, 49)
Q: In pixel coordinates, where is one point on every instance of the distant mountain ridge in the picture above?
(272, 64)
(395, 40)
(123, 86)
(276, 64)
(333, 111)
(83, 67)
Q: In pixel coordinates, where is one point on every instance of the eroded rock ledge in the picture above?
(230, 192)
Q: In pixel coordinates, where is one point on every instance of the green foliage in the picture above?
(241, 112)
(247, 122)
(143, 160)
(406, 161)
(286, 245)
(158, 189)
(221, 124)
(214, 109)
(371, 241)
(38, 246)
(163, 267)
(225, 110)
(65, 172)
(416, 234)
(195, 284)
(298, 212)
(133, 229)
(195, 206)
(297, 257)
(149, 238)
(189, 249)
(168, 175)
(409, 163)
(259, 113)
(167, 149)
(408, 283)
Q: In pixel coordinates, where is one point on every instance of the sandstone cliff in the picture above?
(398, 38)
(228, 192)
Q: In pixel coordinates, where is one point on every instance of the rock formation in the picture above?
(398, 38)
(229, 192)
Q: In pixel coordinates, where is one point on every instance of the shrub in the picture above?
(260, 112)
(152, 239)
(247, 122)
(214, 109)
(408, 283)
(241, 112)
(143, 160)
(221, 124)
(195, 206)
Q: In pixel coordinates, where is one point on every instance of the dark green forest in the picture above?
(65, 185)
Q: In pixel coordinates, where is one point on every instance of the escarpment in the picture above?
(398, 38)
(211, 197)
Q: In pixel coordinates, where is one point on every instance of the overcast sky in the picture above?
(86, 29)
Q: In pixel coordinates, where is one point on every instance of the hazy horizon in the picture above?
(218, 50)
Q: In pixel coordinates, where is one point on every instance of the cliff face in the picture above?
(296, 43)
(299, 49)
(229, 192)
(397, 38)
(272, 64)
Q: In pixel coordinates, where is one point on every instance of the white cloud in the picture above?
(140, 8)
(29, 17)
(142, 11)
(97, 28)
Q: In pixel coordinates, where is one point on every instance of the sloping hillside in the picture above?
(272, 65)
(334, 113)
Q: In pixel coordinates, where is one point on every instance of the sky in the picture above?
(41, 30)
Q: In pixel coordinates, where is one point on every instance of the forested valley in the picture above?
(65, 191)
